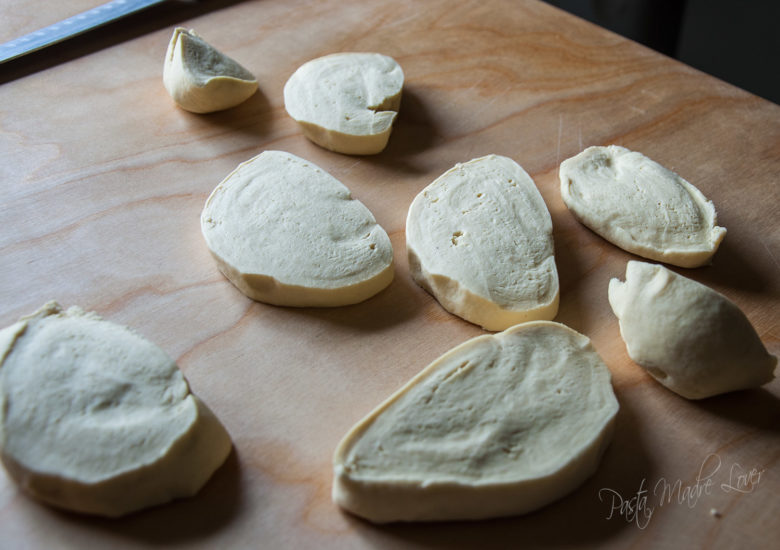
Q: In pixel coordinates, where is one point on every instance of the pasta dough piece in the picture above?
(202, 79)
(500, 425)
(285, 232)
(479, 239)
(346, 102)
(693, 340)
(640, 206)
(96, 419)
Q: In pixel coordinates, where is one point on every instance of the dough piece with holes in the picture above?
(202, 79)
(693, 340)
(479, 239)
(346, 102)
(500, 425)
(285, 232)
(640, 206)
(96, 419)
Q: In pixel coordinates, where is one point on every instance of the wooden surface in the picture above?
(103, 180)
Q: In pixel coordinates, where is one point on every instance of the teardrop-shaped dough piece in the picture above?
(346, 102)
(693, 340)
(479, 239)
(202, 79)
(285, 232)
(640, 206)
(96, 419)
(500, 425)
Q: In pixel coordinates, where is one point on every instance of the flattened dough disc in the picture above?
(96, 419)
(640, 206)
(285, 232)
(501, 425)
(479, 239)
(346, 102)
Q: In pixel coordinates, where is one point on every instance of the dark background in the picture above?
(735, 40)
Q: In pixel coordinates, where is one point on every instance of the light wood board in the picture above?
(103, 180)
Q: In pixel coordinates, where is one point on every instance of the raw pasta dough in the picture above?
(640, 206)
(285, 232)
(479, 238)
(346, 102)
(202, 79)
(693, 340)
(96, 419)
(501, 425)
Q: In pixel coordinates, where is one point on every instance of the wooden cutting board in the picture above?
(103, 180)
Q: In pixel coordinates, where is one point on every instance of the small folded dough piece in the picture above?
(285, 232)
(479, 239)
(640, 206)
(96, 419)
(501, 425)
(693, 340)
(346, 102)
(202, 79)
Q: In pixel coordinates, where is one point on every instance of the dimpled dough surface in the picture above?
(97, 419)
(287, 233)
(346, 102)
(479, 238)
(640, 206)
(500, 425)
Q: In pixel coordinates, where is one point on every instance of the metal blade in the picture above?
(72, 26)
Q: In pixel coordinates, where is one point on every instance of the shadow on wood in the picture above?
(755, 408)
(413, 133)
(252, 117)
(215, 506)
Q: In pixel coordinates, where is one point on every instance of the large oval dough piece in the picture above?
(287, 233)
(501, 425)
(479, 238)
(693, 340)
(96, 419)
(346, 102)
(202, 79)
(640, 206)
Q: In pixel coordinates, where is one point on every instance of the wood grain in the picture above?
(103, 180)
